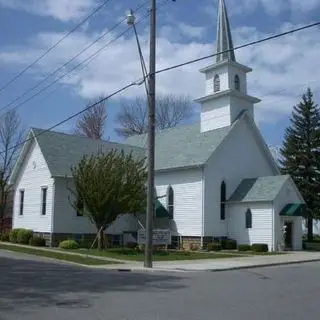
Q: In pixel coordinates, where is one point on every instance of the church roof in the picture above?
(259, 189)
(183, 146)
(179, 147)
(61, 150)
(224, 37)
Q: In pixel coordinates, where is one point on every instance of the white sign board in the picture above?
(160, 237)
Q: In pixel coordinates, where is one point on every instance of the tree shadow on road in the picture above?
(26, 284)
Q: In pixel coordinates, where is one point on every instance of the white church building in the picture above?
(218, 176)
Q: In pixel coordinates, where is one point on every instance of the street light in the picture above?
(150, 89)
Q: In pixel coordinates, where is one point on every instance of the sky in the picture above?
(186, 30)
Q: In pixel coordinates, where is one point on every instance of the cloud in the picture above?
(282, 68)
(271, 7)
(63, 10)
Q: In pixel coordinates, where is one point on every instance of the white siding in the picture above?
(67, 221)
(261, 231)
(233, 71)
(224, 81)
(240, 156)
(238, 106)
(187, 187)
(215, 114)
(34, 174)
(287, 194)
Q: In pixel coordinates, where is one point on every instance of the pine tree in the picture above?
(301, 154)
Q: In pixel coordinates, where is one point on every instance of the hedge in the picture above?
(37, 241)
(244, 247)
(259, 247)
(214, 246)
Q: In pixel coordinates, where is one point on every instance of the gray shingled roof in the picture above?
(61, 150)
(259, 189)
(183, 146)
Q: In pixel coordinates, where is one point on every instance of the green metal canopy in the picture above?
(293, 210)
(161, 211)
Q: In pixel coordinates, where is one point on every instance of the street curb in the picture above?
(212, 270)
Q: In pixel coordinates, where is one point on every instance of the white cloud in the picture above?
(271, 7)
(282, 68)
(63, 10)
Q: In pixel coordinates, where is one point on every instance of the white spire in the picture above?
(224, 38)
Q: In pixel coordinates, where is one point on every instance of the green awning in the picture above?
(294, 210)
(161, 211)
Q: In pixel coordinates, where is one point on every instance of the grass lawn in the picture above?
(133, 255)
(55, 255)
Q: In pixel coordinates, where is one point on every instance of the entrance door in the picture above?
(288, 237)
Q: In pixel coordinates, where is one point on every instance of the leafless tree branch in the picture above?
(92, 123)
(171, 110)
(11, 134)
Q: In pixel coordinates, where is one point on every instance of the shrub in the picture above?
(37, 241)
(131, 245)
(230, 244)
(4, 237)
(259, 247)
(214, 246)
(68, 244)
(24, 236)
(194, 246)
(13, 234)
(244, 247)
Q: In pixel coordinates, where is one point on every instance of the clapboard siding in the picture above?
(240, 156)
(287, 194)
(187, 187)
(261, 231)
(34, 174)
(67, 221)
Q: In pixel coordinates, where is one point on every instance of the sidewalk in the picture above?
(216, 265)
(213, 265)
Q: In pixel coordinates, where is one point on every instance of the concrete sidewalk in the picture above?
(225, 264)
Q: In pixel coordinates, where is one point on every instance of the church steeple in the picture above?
(224, 37)
(226, 82)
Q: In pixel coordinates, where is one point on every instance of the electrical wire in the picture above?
(54, 46)
(67, 63)
(160, 71)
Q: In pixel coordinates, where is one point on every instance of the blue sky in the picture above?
(282, 69)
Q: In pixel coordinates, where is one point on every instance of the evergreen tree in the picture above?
(301, 154)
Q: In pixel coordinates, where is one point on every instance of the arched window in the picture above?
(170, 200)
(216, 83)
(223, 201)
(237, 82)
(248, 219)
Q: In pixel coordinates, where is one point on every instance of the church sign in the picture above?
(159, 237)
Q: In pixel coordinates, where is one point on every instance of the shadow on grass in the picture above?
(27, 284)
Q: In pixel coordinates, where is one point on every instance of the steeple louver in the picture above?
(224, 38)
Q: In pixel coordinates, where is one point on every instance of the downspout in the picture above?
(52, 210)
(202, 206)
(273, 229)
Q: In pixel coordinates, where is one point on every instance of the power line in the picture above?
(160, 71)
(239, 47)
(54, 46)
(66, 63)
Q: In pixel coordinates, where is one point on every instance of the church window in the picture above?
(248, 219)
(216, 83)
(170, 200)
(237, 82)
(223, 201)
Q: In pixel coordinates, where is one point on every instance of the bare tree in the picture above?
(11, 136)
(170, 111)
(92, 122)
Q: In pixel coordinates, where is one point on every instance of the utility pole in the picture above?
(151, 137)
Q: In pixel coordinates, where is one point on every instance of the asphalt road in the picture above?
(35, 289)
